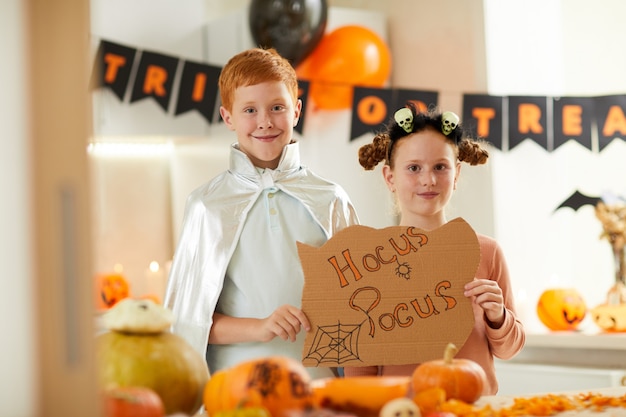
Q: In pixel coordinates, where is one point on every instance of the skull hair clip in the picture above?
(404, 118)
(449, 122)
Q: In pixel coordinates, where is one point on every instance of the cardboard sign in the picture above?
(388, 296)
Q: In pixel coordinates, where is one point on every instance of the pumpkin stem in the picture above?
(449, 352)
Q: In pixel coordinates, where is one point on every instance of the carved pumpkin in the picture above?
(461, 379)
(110, 289)
(561, 308)
(610, 318)
(277, 383)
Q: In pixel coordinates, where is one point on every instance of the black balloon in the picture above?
(292, 27)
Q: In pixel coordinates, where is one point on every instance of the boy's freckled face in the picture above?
(263, 117)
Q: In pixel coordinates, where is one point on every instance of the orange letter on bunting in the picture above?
(198, 87)
(615, 120)
(529, 116)
(114, 62)
(572, 125)
(483, 116)
(155, 78)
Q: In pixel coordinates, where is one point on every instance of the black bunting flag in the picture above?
(303, 94)
(498, 120)
(527, 120)
(113, 67)
(482, 118)
(371, 110)
(198, 89)
(155, 78)
(610, 113)
(423, 100)
(572, 120)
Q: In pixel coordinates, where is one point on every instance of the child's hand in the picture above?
(488, 295)
(285, 322)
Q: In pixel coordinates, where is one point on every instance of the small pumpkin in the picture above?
(110, 289)
(561, 308)
(361, 395)
(277, 383)
(400, 407)
(132, 402)
(461, 379)
(139, 350)
(610, 318)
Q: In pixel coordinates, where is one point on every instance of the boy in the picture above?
(236, 281)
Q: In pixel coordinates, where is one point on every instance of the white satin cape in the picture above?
(212, 223)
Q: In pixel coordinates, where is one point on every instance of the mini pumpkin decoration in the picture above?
(110, 289)
(461, 379)
(610, 318)
(400, 407)
(140, 351)
(279, 384)
(561, 308)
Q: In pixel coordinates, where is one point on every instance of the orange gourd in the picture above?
(461, 379)
(110, 289)
(361, 395)
(561, 308)
(277, 383)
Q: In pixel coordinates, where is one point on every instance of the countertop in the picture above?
(577, 340)
(575, 348)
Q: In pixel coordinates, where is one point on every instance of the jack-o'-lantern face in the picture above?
(561, 308)
(110, 289)
(610, 318)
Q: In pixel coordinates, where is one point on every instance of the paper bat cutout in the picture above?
(578, 199)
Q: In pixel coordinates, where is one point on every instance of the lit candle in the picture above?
(155, 282)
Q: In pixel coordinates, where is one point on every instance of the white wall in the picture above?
(555, 48)
(18, 361)
(534, 47)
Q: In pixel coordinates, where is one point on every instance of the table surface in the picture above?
(501, 401)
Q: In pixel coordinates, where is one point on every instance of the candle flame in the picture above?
(154, 266)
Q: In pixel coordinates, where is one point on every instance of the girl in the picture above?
(422, 155)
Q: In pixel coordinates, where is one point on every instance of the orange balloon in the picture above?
(346, 57)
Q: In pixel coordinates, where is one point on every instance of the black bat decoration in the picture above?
(577, 200)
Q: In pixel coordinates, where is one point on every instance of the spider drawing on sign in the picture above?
(337, 343)
(403, 270)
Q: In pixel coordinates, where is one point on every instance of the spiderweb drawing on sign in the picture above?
(336, 343)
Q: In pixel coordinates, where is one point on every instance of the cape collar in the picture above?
(289, 164)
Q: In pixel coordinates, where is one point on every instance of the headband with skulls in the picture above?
(404, 118)
(449, 122)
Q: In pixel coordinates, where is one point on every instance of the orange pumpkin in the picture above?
(561, 308)
(110, 288)
(276, 383)
(461, 379)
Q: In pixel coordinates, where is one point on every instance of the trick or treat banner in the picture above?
(179, 86)
(388, 296)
